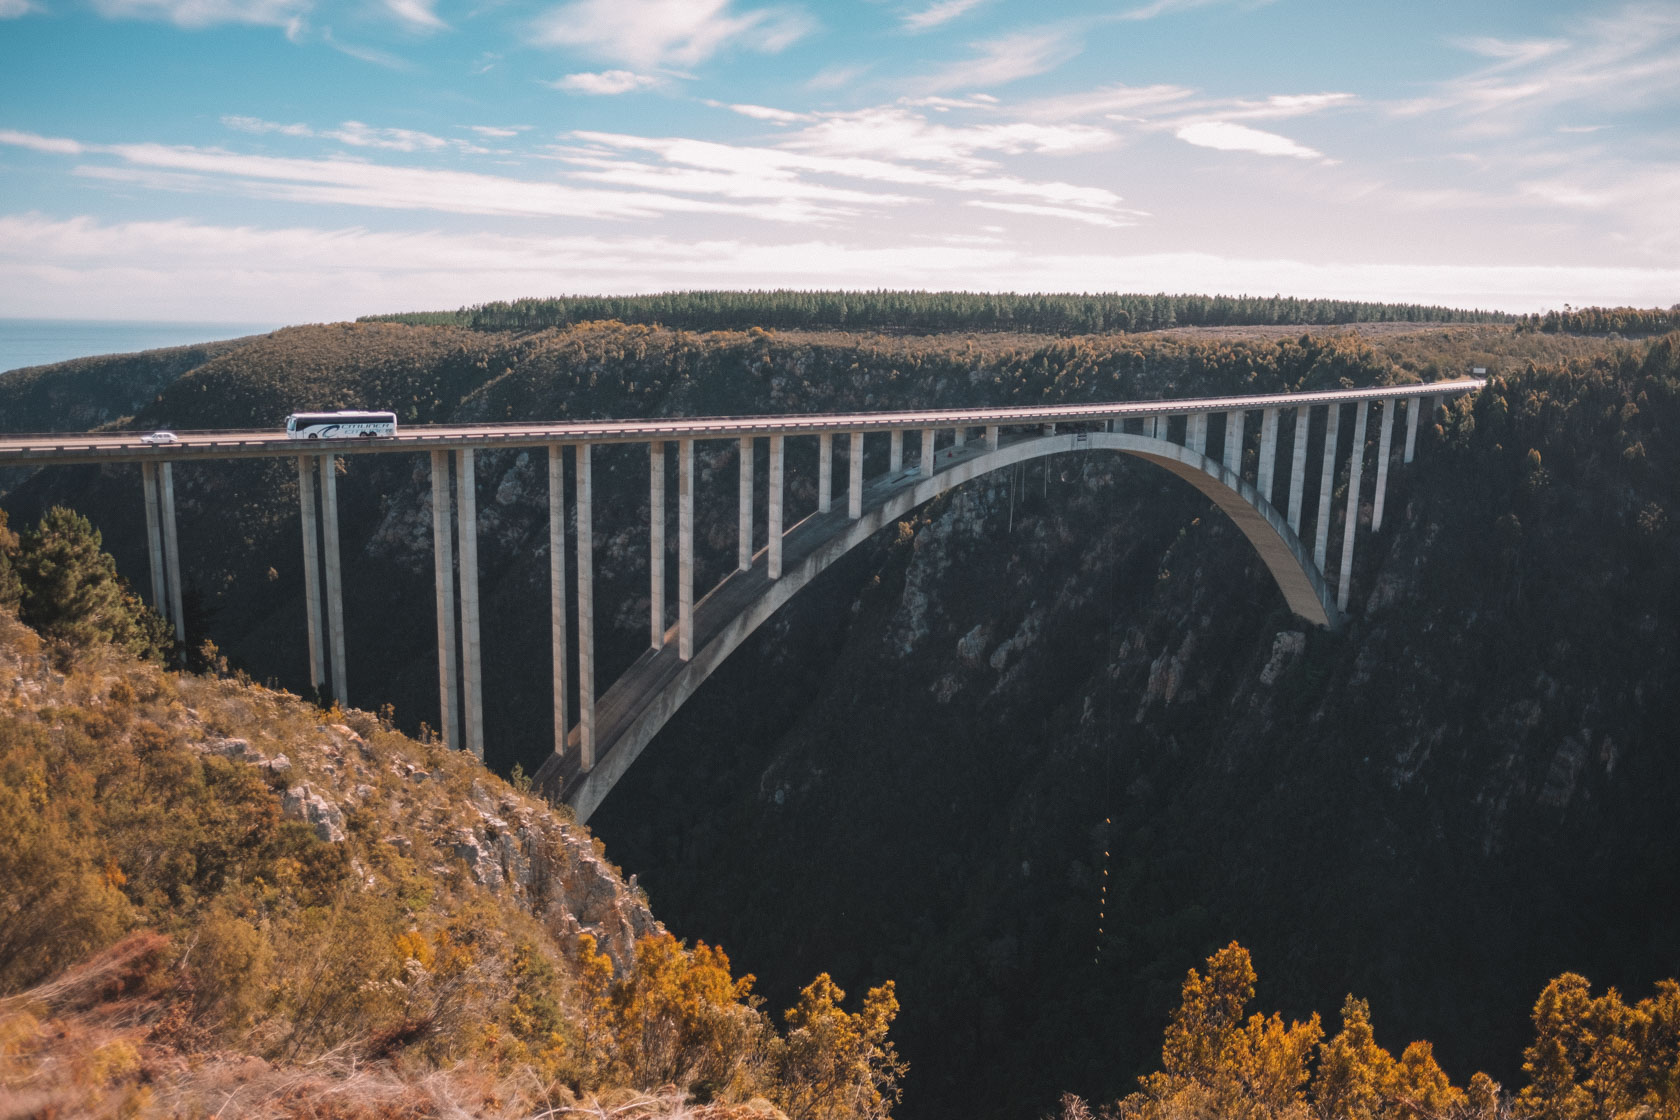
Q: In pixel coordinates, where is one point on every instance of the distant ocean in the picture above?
(37, 342)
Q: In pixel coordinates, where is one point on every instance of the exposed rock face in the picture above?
(303, 803)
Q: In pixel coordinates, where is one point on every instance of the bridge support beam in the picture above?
(1414, 406)
(685, 545)
(774, 545)
(744, 542)
(992, 437)
(1195, 432)
(1234, 420)
(154, 536)
(311, 571)
(472, 669)
(1298, 465)
(895, 451)
(586, 606)
(172, 556)
(825, 472)
(959, 437)
(443, 584)
(558, 668)
(1384, 449)
(1356, 471)
(927, 452)
(854, 484)
(656, 545)
(1266, 468)
(1326, 485)
(334, 574)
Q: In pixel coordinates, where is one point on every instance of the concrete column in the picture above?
(1383, 450)
(774, 544)
(1232, 458)
(586, 606)
(335, 576)
(685, 548)
(472, 676)
(154, 535)
(743, 545)
(959, 438)
(443, 580)
(1414, 407)
(1154, 423)
(825, 472)
(992, 437)
(854, 490)
(172, 556)
(895, 452)
(1326, 485)
(927, 452)
(557, 661)
(1266, 468)
(311, 571)
(1195, 433)
(656, 544)
(1298, 465)
(1356, 469)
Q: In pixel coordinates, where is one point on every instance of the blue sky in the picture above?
(292, 160)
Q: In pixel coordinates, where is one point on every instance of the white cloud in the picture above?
(52, 144)
(359, 135)
(836, 77)
(151, 270)
(647, 34)
(937, 14)
(765, 113)
(496, 132)
(12, 9)
(897, 133)
(1001, 61)
(418, 14)
(607, 83)
(258, 125)
(207, 13)
(1240, 138)
(1063, 212)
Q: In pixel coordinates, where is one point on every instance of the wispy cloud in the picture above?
(895, 131)
(356, 134)
(607, 83)
(498, 132)
(417, 14)
(1003, 60)
(938, 14)
(207, 13)
(1229, 137)
(647, 34)
(12, 9)
(259, 126)
(53, 145)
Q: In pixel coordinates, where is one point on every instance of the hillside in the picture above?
(928, 765)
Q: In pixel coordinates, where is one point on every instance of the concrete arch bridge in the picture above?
(1202, 441)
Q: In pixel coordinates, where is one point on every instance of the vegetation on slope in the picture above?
(284, 895)
(1591, 1057)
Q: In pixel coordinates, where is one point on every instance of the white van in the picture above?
(340, 425)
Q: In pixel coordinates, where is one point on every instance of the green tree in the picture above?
(70, 590)
(11, 587)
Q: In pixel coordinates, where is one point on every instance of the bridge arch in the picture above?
(644, 699)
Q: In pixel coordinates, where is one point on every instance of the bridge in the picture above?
(1206, 442)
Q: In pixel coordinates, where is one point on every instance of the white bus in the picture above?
(340, 425)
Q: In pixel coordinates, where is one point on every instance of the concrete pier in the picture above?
(825, 472)
(558, 658)
(1326, 484)
(992, 437)
(586, 603)
(312, 572)
(1298, 465)
(472, 670)
(959, 437)
(1356, 470)
(777, 471)
(744, 529)
(154, 536)
(1414, 407)
(927, 452)
(1195, 432)
(335, 577)
(1384, 447)
(656, 545)
(443, 581)
(1232, 458)
(172, 557)
(1266, 468)
(685, 547)
(895, 451)
(854, 484)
